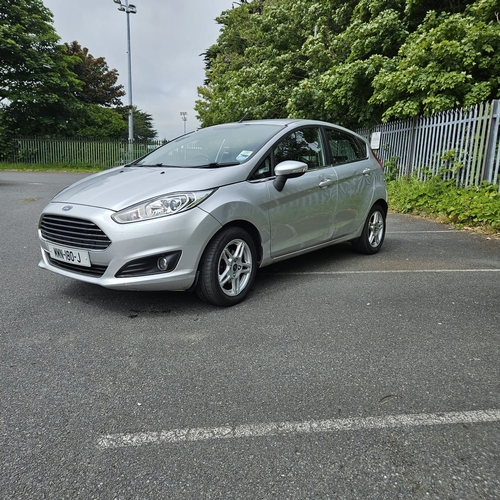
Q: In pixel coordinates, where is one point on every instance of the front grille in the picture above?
(94, 270)
(76, 233)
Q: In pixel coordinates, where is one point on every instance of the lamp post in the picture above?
(129, 9)
(184, 119)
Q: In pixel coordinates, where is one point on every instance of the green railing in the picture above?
(76, 151)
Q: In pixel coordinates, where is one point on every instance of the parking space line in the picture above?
(307, 427)
(427, 231)
(395, 271)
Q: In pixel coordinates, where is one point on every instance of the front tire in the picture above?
(373, 234)
(228, 268)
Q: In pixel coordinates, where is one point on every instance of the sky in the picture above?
(167, 40)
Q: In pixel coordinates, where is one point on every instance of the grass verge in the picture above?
(53, 167)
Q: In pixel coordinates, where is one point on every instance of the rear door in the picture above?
(354, 172)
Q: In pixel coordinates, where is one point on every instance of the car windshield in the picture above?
(217, 146)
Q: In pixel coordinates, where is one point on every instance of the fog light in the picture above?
(162, 263)
(147, 266)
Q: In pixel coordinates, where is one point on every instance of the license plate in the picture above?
(71, 255)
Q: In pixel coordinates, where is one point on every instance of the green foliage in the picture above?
(450, 61)
(100, 112)
(99, 83)
(391, 168)
(48, 89)
(474, 206)
(34, 66)
(95, 121)
(143, 124)
(254, 64)
(353, 62)
(53, 167)
(7, 146)
(36, 82)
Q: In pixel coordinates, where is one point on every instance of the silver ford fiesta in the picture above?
(206, 210)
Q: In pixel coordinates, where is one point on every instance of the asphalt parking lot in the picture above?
(341, 376)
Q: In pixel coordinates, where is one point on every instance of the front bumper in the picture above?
(187, 233)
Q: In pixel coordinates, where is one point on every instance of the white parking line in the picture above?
(306, 427)
(425, 231)
(395, 271)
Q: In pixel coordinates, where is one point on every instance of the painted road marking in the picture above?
(395, 271)
(427, 231)
(306, 427)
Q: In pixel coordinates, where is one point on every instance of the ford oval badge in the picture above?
(67, 208)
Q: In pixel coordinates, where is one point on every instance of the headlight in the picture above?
(162, 206)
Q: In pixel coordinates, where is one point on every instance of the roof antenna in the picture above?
(244, 116)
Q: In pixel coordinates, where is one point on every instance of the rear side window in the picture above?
(344, 147)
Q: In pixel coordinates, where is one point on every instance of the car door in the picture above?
(301, 215)
(355, 180)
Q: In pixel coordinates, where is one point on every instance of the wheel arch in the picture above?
(250, 229)
(253, 232)
(383, 203)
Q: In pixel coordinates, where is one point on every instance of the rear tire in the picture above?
(228, 268)
(373, 234)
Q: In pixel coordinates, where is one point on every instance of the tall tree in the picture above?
(36, 82)
(450, 61)
(93, 121)
(52, 89)
(143, 124)
(340, 89)
(268, 57)
(255, 62)
(99, 112)
(99, 82)
(355, 62)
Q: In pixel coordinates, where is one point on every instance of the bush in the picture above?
(474, 206)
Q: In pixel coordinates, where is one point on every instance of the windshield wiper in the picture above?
(206, 165)
(222, 164)
(159, 165)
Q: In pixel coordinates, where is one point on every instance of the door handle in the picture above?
(367, 171)
(326, 182)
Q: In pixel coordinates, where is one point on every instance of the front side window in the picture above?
(303, 145)
(344, 147)
(263, 171)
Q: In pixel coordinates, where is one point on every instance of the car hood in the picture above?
(122, 187)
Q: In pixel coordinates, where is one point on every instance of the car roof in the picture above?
(286, 122)
(282, 121)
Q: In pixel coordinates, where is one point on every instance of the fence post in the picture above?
(491, 142)
(411, 149)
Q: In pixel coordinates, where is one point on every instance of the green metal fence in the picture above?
(76, 151)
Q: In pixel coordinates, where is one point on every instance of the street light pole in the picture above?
(184, 119)
(129, 9)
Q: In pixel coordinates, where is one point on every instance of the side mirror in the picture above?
(287, 169)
